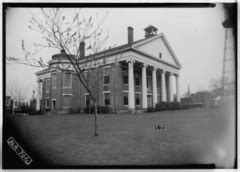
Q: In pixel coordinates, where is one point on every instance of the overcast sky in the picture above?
(195, 34)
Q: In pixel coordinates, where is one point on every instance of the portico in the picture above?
(167, 78)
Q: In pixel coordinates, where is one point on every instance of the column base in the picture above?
(132, 110)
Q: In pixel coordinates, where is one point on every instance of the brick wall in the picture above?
(78, 92)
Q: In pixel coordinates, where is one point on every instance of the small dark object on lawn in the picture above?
(159, 127)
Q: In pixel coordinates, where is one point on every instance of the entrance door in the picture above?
(149, 100)
(53, 105)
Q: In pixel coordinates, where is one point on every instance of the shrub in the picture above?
(75, 110)
(150, 109)
(104, 109)
(161, 106)
(100, 109)
(176, 105)
(89, 109)
(37, 112)
(168, 106)
(26, 109)
(186, 106)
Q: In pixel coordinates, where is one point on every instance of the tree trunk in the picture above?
(96, 124)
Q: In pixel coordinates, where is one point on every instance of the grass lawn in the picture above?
(190, 136)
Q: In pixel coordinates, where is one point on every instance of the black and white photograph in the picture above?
(119, 85)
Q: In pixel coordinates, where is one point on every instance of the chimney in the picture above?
(130, 36)
(82, 50)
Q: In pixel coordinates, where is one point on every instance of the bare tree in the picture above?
(17, 90)
(68, 35)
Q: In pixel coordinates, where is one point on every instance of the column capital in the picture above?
(164, 71)
(155, 68)
(144, 65)
(130, 60)
(177, 75)
(117, 63)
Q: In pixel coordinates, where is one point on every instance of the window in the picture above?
(47, 103)
(87, 100)
(47, 85)
(67, 100)
(137, 79)
(137, 99)
(158, 81)
(125, 99)
(67, 82)
(160, 55)
(107, 99)
(148, 81)
(54, 105)
(106, 79)
(125, 76)
(54, 80)
(125, 79)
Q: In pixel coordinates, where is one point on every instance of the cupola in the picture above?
(150, 31)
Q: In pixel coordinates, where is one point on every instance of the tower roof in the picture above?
(150, 28)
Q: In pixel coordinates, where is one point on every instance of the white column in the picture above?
(163, 86)
(39, 96)
(170, 85)
(177, 88)
(154, 86)
(131, 94)
(144, 87)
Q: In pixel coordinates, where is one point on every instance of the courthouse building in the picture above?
(147, 72)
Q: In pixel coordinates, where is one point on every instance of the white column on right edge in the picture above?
(177, 88)
(38, 105)
(170, 85)
(144, 86)
(163, 86)
(154, 86)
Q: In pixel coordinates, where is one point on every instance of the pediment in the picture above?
(157, 45)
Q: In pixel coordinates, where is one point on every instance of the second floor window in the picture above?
(137, 79)
(67, 80)
(106, 79)
(54, 80)
(125, 76)
(47, 85)
(87, 100)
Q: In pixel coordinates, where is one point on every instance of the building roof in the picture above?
(118, 48)
(42, 71)
(124, 47)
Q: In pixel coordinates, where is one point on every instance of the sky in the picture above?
(195, 34)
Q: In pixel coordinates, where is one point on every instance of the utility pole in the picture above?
(228, 69)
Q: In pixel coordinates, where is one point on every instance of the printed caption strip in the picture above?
(19, 151)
